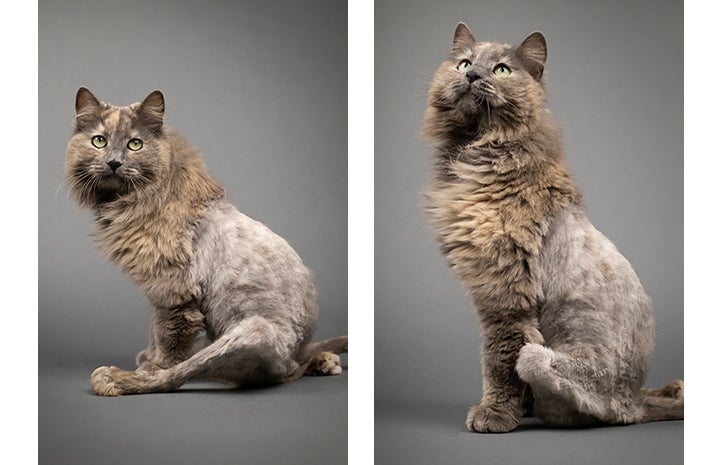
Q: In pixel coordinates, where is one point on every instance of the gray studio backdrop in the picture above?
(615, 84)
(259, 87)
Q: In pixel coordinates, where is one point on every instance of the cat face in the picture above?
(485, 84)
(115, 150)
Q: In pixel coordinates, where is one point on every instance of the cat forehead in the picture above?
(107, 106)
(491, 51)
(487, 51)
(114, 115)
(116, 119)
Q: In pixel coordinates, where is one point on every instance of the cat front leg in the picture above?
(502, 405)
(173, 337)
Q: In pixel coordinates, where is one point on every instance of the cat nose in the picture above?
(114, 164)
(472, 75)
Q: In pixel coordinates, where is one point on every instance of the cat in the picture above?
(568, 328)
(231, 300)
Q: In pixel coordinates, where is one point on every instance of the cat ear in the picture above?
(86, 109)
(151, 111)
(533, 52)
(462, 39)
(85, 101)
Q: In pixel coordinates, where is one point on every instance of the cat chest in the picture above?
(142, 243)
(154, 254)
(493, 245)
(487, 227)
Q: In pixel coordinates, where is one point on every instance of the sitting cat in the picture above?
(204, 266)
(562, 310)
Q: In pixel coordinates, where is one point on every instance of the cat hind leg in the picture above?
(563, 386)
(251, 342)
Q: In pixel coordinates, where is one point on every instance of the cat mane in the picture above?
(147, 229)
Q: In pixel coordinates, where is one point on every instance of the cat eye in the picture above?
(99, 142)
(464, 65)
(135, 144)
(501, 70)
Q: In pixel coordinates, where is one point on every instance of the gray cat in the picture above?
(231, 300)
(568, 328)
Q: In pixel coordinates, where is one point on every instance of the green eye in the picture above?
(464, 65)
(99, 141)
(135, 144)
(501, 70)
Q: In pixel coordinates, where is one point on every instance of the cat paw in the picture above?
(483, 419)
(534, 361)
(323, 364)
(674, 389)
(108, 381)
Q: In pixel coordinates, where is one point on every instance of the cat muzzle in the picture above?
(472, 75)
(114, 164)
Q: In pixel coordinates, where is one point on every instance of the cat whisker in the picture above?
(510, 104)
(89, 186)
(75, 182)
(63, 183)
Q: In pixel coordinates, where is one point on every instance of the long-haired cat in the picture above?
(562, 311)
(231, 300)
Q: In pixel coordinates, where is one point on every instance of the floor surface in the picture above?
(420, 434)
(304, 422)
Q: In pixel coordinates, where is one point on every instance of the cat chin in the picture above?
(482, 101)
(110, 187)
(474, 104)
(112, 183)
(468, 107)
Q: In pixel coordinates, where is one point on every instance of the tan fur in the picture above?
(153, 248)
(499, 219)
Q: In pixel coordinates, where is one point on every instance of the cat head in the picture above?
(485, 86)
(115, 150)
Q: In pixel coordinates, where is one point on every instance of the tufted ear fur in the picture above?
(151, 111)
(87, 109)
(462, 39)
(533, 53)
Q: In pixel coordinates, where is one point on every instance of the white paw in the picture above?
(323, 364)
(104, 382)
(534, 360)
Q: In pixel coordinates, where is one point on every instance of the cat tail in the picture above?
(336, 345)
(663, 404)
(321, 358)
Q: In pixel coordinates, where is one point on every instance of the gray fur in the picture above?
(598, 327)
(244, 271)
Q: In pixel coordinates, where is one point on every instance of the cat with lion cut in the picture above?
(231, 301)
(568, 330)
